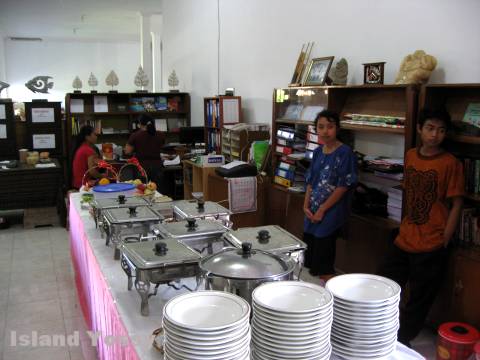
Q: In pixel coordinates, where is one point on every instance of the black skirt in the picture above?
(320, 254)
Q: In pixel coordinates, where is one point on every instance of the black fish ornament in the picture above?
(39, 84)
(3, 85)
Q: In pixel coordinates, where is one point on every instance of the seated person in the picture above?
(85, 156)
(146, 144)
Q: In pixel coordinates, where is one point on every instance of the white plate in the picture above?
(259, 353)
(195, 355)
(364, 337)
(280, 324)
(377, 346)
(354, 354)
(290, 354)
(363, 288)
(206, 310)
(363, 313)
(354, 341)
(290, 332)
(291, 344)
(206, 335)
(369, 322)
(282, 336)
(294, 318)
(213, 351)
(361, 328)
(292, 297)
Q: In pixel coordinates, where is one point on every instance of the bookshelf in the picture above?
(460, 294)
(218, 112)
(236, 142)
(114, 115)
(8, 146)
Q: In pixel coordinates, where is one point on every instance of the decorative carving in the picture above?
(416, 68)
(77, 83)
(338, 74)
(39, 84)
(141, 79)
(112, 79)
(173, 80)
(92, 81)
(3, 85)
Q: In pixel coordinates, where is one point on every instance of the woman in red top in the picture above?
(85, 156)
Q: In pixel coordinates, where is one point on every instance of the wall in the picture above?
(65, 59)
(2, 61)
(260, 42)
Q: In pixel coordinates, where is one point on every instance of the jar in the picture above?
(456, 341)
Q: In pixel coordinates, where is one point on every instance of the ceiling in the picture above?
(75, 19)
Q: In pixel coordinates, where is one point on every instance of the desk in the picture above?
(195, 179)
(110, 309)
(28, 187)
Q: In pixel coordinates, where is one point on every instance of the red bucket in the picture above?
(456, 341)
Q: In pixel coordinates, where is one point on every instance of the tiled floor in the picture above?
(38, 297)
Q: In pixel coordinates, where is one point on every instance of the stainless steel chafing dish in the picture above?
(164, 208)
(271, 238)
(99, 205)
(158, 262)
(199, 234)
(128, 221)
(200, 209)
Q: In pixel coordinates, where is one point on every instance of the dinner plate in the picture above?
(292, 353)
(353, 341)
(363, 288)
(196, 356)
(352, 354)
(363, 336)
(289, 332)
(206, 310)
(264, 355)
(367, 322)
(211, 351)
(280, 334)
(280, 324)
(204, 343)
(207, 335)
(280, 343)
(296, 297)
(364, 330)
(361, 313)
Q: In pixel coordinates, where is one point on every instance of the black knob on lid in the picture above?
(191, 223)
(263, 236)
(246, 249)
(161, 248)
(201, 205)
(121, 199)
(132, 210)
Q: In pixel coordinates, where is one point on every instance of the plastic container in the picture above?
(456, 341)
(113, 190)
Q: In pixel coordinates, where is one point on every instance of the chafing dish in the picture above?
(200, 209)
(199, 234)
(164, 208)
(271, 238)
(128, 221)
(99, 205)
(158, 262)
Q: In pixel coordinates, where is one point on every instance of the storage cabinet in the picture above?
(195, 179)
(8, 146)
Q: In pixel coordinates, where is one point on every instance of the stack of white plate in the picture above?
(291, 320)
(365, 320)
(203, 325)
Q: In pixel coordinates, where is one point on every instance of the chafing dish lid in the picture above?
(267, 238)
(195, 209)
(246, 263)
(156, 254)
(118, 202)
(132, 215)
(192, 228)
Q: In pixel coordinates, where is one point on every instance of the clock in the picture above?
(373, 73)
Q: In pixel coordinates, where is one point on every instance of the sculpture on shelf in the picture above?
(92, 81)
(77, 84)
(338, 74)
(141, 79)
(173, 81)
(3, 85)
(39, 84)
(112, 79)
(416, 68)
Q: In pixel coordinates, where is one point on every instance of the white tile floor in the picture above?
(37, 294)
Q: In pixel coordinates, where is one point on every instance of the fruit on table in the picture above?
(147, 191)
(141, 187)
(104, 181)
(137, 181)
(152, 186)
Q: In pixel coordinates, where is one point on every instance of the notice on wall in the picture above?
(43, 115)
(230, 110)
(3, 116)
(44, 141)
(100, 104)
(76, 106)
(3, 131)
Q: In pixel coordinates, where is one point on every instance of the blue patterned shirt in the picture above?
(326, 173)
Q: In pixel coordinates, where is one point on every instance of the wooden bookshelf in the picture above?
(368, 128)
(8, 144)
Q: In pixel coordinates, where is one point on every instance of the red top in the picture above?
(459, 333)
(80, 164)
(147, 147)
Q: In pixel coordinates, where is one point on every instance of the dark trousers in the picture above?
(424, 273)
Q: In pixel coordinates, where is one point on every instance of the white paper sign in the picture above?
(43, 115)
(3, 131)
(100, 104)
(44, 141)
(76, 106)
(2, 112)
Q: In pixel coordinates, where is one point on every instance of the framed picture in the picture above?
(318, 71)
(373, 73)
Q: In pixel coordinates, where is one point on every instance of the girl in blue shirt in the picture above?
(332, 173)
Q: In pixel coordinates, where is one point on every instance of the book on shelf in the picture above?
(293, 112)
(471, 169)
(309, 113)
(374, 120)
(312, 146)
(173, 104)
(161, 125)
(309, 154)
(286, 166)
(286, 174)
(136, 104)
(286, 133)
(161, 103)
(472, 115)
(149, 104)
(284, 150)
(282, 181)
(468, 230)
(314, 138)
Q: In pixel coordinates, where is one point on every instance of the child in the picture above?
(433, 178)
(332, 173)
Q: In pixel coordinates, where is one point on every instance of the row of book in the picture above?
(213, 113)
(77, 125)
(214, 141)
(468, 231)
(374, 120)
(159, 103)
(472, 175)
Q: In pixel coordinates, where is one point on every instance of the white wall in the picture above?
(65, 59)
(260, 42)
(2, 61)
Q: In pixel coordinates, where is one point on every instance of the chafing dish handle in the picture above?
(183, 286)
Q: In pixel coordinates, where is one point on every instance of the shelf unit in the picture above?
(123, 111)
(460, 294)
(8, 143)
(236, 143)
(218, 112)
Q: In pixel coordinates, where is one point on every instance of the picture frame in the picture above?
(318, 70)
(373, 73)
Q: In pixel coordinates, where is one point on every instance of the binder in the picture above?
(289, 175)
(284, 150)
(281, 181)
